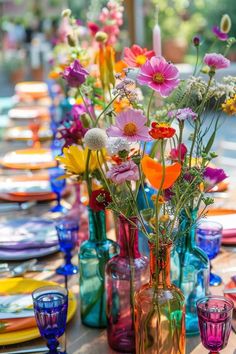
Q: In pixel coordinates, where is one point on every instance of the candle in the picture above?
(157, 39)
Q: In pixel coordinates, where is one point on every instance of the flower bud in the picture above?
(196, 41)
(101, 37)
(225, 23)
(71, 40)
(164, 218)
(66, 13)
(86, 120)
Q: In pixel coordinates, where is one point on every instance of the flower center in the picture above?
(158, 78)
(130, 129)
(141, 59)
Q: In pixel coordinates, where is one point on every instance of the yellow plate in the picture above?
(23, 285)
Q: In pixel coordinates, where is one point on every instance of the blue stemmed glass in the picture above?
(209, 235)
(67, 231)
(50, 309)
(57, 185)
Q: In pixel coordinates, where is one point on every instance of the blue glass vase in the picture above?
(190, 269)
(93, 257)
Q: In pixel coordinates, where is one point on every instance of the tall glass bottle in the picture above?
(160, 309)
(125, 273)
(190, 269)
(93, 256)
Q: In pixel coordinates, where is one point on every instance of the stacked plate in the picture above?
(27, 238)
(17, 320)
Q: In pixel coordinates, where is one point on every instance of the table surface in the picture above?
(83, 340)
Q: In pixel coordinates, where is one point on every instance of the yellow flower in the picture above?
(161, 199)
(121, 104)
(229, 106)
(74, 160)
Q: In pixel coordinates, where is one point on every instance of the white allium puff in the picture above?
(115, 145)
(95, 139)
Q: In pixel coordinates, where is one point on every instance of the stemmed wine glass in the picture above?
(34, 126)
(67, 231)
(58, 185)
(214, 317)
(209, 235)
(50, 308)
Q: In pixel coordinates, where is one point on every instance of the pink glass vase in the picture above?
(159, 309)
(125, 273)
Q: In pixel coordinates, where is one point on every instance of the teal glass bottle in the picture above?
(93, 256)
(190, 269)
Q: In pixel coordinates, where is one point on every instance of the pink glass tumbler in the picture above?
(214, 317)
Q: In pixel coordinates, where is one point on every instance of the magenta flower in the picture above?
(130, 124)
(213, 176)
(159, 75)
(75, 74)
(216, 61)
(179, 153)
(219, 34)
(126, 171)
(183, 114)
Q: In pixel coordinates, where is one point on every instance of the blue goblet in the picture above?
(50, 308)
(209, 235)
(67, 231)
(57, 185)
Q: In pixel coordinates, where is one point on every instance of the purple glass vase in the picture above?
(125, 273)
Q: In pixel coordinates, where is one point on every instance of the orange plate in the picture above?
(213, 212)
(28, 165)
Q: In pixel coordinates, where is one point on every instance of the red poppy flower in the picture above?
(99, 199)
(161, 131)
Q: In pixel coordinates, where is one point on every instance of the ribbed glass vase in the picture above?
(160, 309)
(125, 273)
(190, 269)
(93, 256)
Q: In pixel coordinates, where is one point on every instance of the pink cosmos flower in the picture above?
(137, 56)
(217, 61)
(160, 75)
(75, 74)
(219, 34)
(179, 153)
(130, 124)
(126, 171)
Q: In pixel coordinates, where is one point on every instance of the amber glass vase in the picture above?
(160, 309)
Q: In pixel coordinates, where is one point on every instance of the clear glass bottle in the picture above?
(93, 256)
(125, 273)
(160, 309)
(190, 269)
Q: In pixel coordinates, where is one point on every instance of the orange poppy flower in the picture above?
(120, 66)
(153, 170)
(121, 104)
(161, 131)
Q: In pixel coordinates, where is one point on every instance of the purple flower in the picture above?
(130, 124)
(75, 74)
(216, 61)
(196, 41)
(126, 171)
(213, 176)
(183, 114)
(219, 34)
(159, 75)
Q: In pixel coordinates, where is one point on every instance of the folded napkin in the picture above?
(228, 221)
(16, 306)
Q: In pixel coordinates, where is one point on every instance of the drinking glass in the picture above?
(67, 231)
(209, 235)
(34, 126)
(50, 308)
(214, 318)
(58, 185)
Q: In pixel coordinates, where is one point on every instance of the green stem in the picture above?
(105, 109)
(87, 173)
(85, 104)
(195, 69)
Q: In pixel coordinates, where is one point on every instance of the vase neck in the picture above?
(97, 225)
(160, 266)
(128, 237)
(188, 228)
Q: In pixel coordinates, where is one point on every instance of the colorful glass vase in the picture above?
(159, 309)
(190, 269)
(93, 257)
(125, 273)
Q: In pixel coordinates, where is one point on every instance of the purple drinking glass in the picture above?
(214, 318)
(50, 308)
